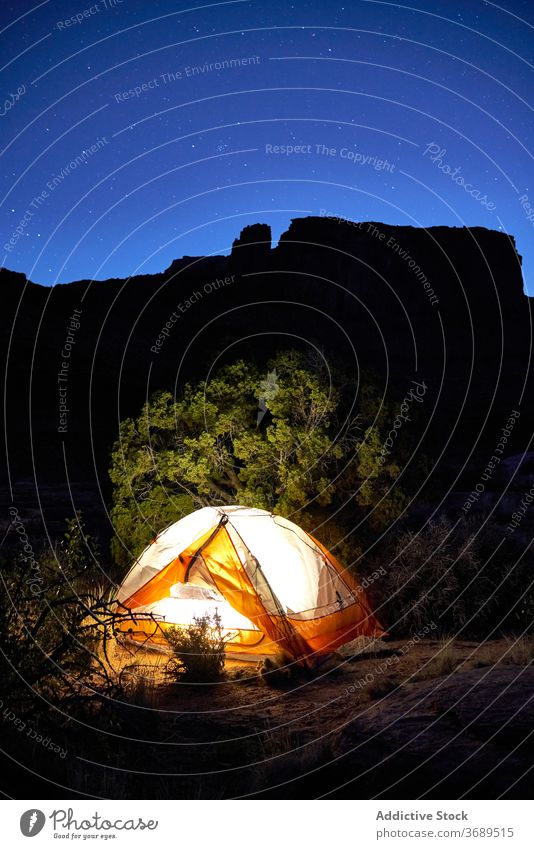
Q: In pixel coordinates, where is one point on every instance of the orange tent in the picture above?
(273, 585)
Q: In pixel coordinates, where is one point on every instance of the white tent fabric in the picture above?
(166, 547)
(298, 573)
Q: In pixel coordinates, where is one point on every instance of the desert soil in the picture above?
(394, 721)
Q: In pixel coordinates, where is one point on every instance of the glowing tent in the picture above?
(274, 586)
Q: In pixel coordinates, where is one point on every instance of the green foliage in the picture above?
(310, 454)
(198, 650)
(377, 482)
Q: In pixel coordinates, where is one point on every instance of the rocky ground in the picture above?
(396, 721)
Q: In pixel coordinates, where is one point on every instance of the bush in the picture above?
(427, 577)
(50, 624)
(312, 454)
(464, 578)
(198, 650)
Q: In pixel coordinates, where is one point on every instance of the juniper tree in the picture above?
(292, 438)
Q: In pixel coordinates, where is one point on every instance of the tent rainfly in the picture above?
(274, 586)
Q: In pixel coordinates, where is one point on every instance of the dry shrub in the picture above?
(443, 663)
(140, 685)
(435, 576)
(461, 576)
(520, 651)
(286, 757)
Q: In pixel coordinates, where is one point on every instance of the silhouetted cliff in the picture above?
(443, 305)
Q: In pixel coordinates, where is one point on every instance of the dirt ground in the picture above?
(388, 721)
(329, 697)
(401, 719)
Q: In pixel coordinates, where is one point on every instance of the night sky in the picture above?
(138, 132)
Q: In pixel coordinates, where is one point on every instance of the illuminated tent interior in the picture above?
(273, 585)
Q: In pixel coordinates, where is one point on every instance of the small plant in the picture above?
(443, 663)
(139, 685)
(286, 756)
(198, 650)
(520, 651)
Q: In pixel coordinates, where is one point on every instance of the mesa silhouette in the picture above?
(443, 305)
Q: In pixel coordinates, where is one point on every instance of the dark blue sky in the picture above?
(404, 114)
